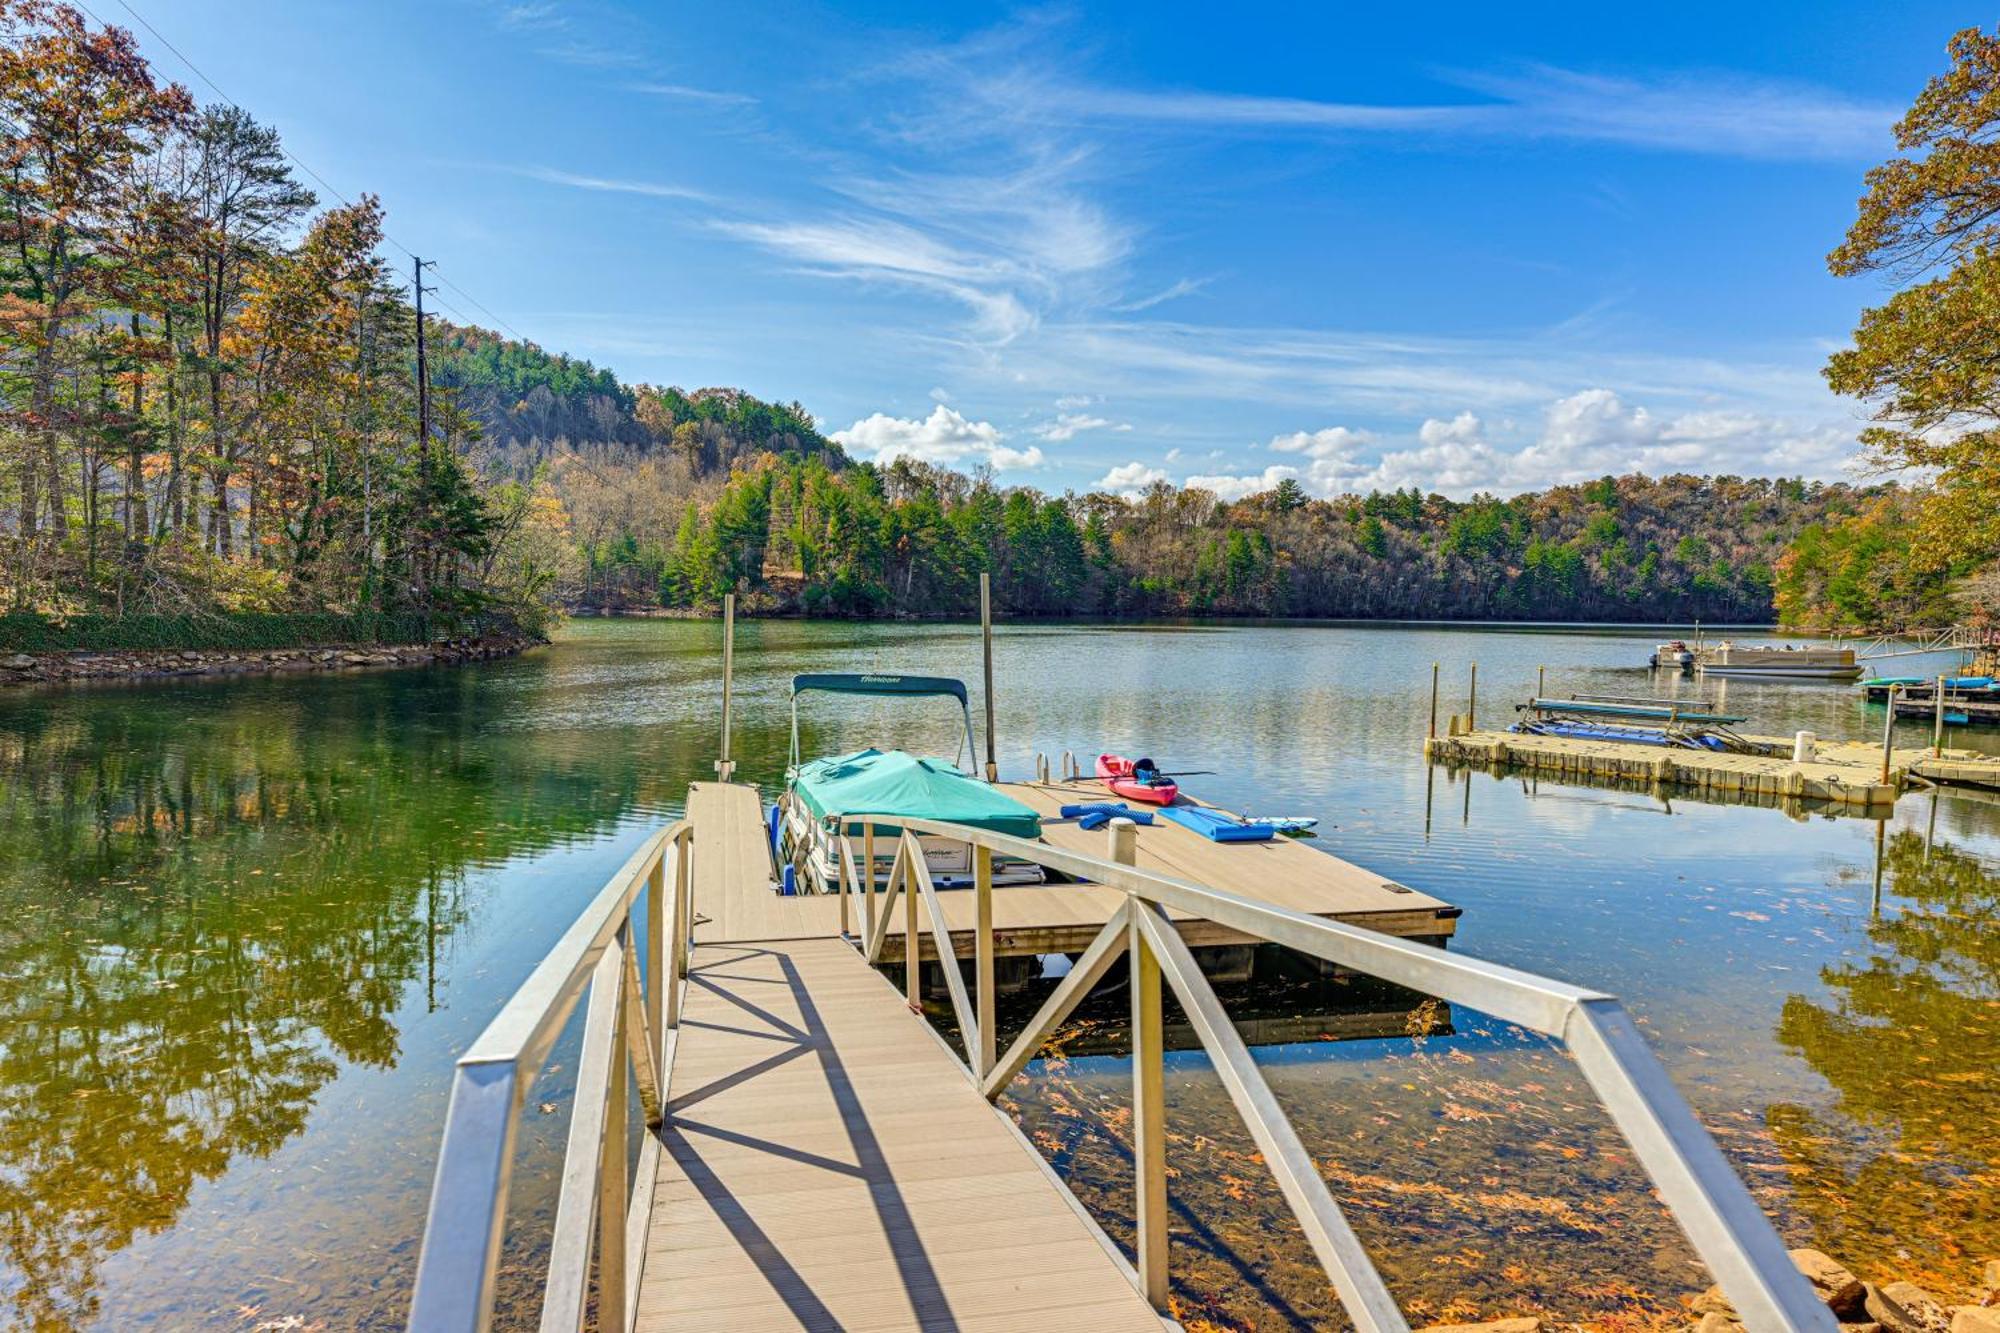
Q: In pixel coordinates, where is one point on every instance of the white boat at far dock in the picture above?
(1811, 662)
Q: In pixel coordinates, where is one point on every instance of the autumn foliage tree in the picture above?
(207, 397)
(1927, 361)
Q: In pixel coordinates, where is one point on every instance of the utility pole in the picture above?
(423, 368)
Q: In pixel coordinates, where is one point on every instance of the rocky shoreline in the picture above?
(1860, 1307)
(151, 664)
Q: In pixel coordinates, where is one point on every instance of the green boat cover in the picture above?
(892, 782)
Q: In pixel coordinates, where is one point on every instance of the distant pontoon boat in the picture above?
(1811, 662)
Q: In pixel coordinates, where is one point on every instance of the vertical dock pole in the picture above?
(913, 943)
(1541, 682)
(1434, 700)
(1937, 724)
(724, 765)
(1472, 699)
(986, 648)
(1149, 1102)
(1888, 732)
(868, 883)
(982, 959)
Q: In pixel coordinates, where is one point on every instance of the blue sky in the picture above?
(1462, 247)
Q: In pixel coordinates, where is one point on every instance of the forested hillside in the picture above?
(795, 535)
(673, 498)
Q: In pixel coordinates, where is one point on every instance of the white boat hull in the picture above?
(1785, 672)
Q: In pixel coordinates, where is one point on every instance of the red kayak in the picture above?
(1121, 774)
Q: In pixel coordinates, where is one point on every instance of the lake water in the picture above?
(248, 924)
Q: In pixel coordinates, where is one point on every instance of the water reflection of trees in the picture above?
(1904, 1170)
(205, 911)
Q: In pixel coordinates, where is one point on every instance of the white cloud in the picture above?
(1236, 487)
(1724, 114)
(1582, 436)
(1720, 114)
(527, 17)
(683, 93)
(940, 395)
(1184, 287)
(879, 249)
(651, 189)
(1069, 402)
(1130, 479)
(1069, 425)
(944, 437)
(1174, 455)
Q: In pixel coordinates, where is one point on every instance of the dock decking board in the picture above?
(827, 1165)
(1054, 918)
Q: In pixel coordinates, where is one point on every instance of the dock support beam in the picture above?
(913, 946)
(982, 963)
(1472, 700)
(1149, 1070)
(1888, 733)
(1434, 700)
(725, 767)
(1937, 724)
(986, 648)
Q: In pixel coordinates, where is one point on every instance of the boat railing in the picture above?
(629, 1030)
(1709, 1201)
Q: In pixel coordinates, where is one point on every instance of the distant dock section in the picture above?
(1847, 773)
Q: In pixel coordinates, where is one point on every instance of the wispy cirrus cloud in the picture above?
(682, 92)
(608, 184)
(1731, 115)
(531, 17)
(1025, 78)
(1725, 115)
(1173, 292)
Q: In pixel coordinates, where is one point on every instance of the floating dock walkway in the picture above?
(816, 1156)
(828, 1166)
(1847, 773)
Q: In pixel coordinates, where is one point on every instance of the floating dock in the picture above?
(1846, 773)
(825, 1162)
(1054, 918)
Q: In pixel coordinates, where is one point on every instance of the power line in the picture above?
(296, 161)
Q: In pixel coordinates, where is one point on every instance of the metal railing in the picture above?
(630, 1026)
(1707, 1199)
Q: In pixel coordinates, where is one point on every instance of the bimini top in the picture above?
(878, 684)
(892, 782)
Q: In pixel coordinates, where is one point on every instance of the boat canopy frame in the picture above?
(881, 683)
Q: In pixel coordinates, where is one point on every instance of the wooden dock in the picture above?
(816, 1156)
(1056, 918)
(1843, 773)
(828, 1165)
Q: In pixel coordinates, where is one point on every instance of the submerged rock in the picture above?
(1904, 1307)
(1841, 1290)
